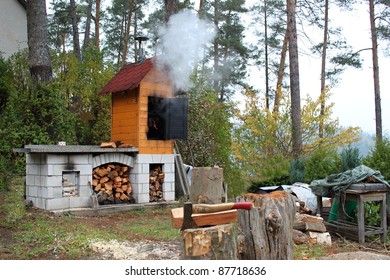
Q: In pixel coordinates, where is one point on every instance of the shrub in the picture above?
(297, 173)
(379, 158)
(350, 158)
(321, 164)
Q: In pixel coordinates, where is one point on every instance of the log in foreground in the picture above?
(265, 232)
(209, 243)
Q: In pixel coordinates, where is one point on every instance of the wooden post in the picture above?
(265, 232)
(209, 243)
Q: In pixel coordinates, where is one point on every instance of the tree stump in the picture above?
(265, 232)
(209, 243)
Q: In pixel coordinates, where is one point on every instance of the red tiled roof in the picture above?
(128, 77)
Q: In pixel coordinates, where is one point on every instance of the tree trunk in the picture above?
(39, 55)
(75, 30)
(375, 69)
(87, 34)
(323, 64)
(294, 80)
(97, 24)
(127, 34)
(267, 95)
(216, 49)
(265, 232)
(209, 243)
(201, 9)
(170, 8)
(279, 82)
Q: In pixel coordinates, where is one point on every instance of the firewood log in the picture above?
(124, 169)
(101, 172)
(112, 174)
(103, 180)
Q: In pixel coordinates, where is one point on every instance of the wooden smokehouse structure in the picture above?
(146, 115)
(144, 112)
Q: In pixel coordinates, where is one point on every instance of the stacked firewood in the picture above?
(111, 183)
(156, 180)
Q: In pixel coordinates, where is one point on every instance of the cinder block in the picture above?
(53, 181)
(169, 167)
(31, 191)
(30, 180)
(168, 187)
(79, 159)
(56, 159)
(168, 158)
(169, 177)
(145, 168)
(33, 169)
(57, 203)
(141, 198)
(157, 158)
(169, 196)
(85, 191)
(77, 202)
(145, 158)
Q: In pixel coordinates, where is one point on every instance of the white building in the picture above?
(13, 27)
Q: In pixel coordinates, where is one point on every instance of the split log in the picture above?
(108, 145)
(207, 182)
(265, 232)
(209, 243)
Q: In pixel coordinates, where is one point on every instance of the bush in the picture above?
(321, 164)
(297, 171)
(350, 158)
(379, 158)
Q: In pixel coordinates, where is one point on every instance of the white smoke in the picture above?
(183, 41)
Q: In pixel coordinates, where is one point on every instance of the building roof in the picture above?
(128, 77)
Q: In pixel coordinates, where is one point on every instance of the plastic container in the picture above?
(350, 207)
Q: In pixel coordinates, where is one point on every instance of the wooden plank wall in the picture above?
(124, 117)
(129, 113)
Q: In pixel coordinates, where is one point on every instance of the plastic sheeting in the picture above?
(335, 183)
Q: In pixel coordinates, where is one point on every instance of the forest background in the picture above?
(251, 140)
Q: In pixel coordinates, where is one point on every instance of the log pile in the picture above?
(111, 184)
(309, 228)
(156, 180)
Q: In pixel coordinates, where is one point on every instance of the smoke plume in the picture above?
(183, 41)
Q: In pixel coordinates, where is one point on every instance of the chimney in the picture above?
(141, 54)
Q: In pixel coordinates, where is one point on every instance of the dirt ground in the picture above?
(141, 249)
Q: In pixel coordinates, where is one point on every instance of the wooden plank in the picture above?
(369, 187)
(207, 219)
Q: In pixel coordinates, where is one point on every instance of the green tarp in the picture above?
(333, 184)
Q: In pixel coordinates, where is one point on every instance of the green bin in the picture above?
(350, 207)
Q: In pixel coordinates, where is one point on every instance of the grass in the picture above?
(28, 233)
